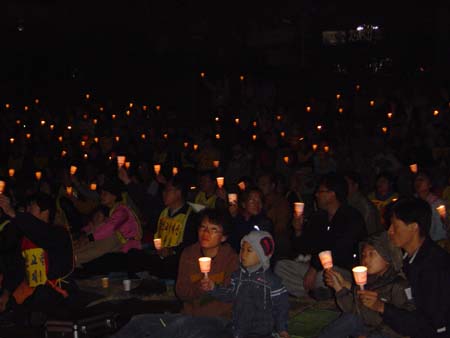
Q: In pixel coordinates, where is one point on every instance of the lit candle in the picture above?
(384, 130)
(43, 122)
(185, 144)
(101, 109)
(93, 186)
(319, 127)
(216, 164)
(255, 124)
(308, 109)
(220, 182)
(341, 110)
(85, 156)
(414, 168)
(2, 186)
(11, 140)
(372, 103)
(232, 198)
(286, 159)
(144, 108)
(158, 243)
(113, 116)
(121, 161)
(11, 172)
(254, 137)
(442, 211)
(143, 136)
(158, 108)
(360, 275)
(278, 117)
(28, 136)
(7, 106)
(127, 165)
(128, 113)
(157, 169)
(95, 121)
(236, 120)
(314, 147)
(205, 265)
(130, 105)
(241, 77)
(83, 143)
(96, 139)
(26, 108)
(63, 153)
(217, 136)
(282, 134)
(52, 126)
(166, 136)
(326, 149)
(73, 170)
(358, 87)
(326, 259)
(435, 112)
(36, 101)
(38, 175)
(174, 171)
(389, 115)
(217, 119)
(338, 96)
(69, 191)
(241, 185)
(117, 138)
(69, 127)
(60, 138)
(298, 208)
(202, 74)
(195, 147)
(87, 96)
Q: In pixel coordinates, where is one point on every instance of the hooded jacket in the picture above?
(390, 288)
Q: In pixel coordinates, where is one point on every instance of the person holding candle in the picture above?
(422, 187)
(384, 275)
(210, 195)
(427, 268)
(260, 301)
(336, 226)
(213, 230)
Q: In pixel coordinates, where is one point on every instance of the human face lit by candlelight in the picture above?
(253, 204)
(210, 235)
(370, 258)
(248, 256)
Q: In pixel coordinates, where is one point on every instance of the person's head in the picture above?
(175, 191)
(410, 221)
(332, 191)
(252, 201)
(378, 254)
(207, 181)
(267, 183)
(383, 184)
(111, 193)
(213, 229)
(422, 183)
(353, 182)
(256, 250)
(41, 206)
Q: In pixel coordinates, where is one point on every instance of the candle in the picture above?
(73, 170)
(131, 104)
(96, 139)
(286, 159)
(195, 147)
(83, 143)
(217, 119)
(255, 124)
(174, 171)
(414, 168)
(282, 134)
(117, 138)
(85, 156)
(216, 163)
(38, 175)
(278, 117)
(11, 172)
(241, 185)
(43, 122)
(384, 130)
(2, 186)
(308, 109)
(202, 74)
(69, 191)
(298, 208)
(93, 186)
(314, 147)
(127, 165)
(236, 120)
(358, 87)
(435, 112)
(254, 137)
(241, 77)
(442, 211)
(95, 121)
(372, 103)
(87, 96)
(205, 265)
(360, 275)
(326, 149)
(28, 136)
(52, 126)
(319, 127)
(186, 144)
(338, 96)
(63, 153)
(143, 136)
(113, 116)
(11, 140)
(121, 161)
(341, 110)
(158, 108)
(157, 169)
(232, 198)
(60, 138)
(217, 136)
(158, 243)
(166, 136)
(326, 259)
(389, 115)
(220, 182)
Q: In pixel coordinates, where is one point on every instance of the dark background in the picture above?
(154, 50)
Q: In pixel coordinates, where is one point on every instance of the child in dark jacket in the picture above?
(260, 301)
(359, 317)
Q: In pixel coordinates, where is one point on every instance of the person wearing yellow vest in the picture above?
(176, 227)
(208, 195)
(44, 257)
(383, 195)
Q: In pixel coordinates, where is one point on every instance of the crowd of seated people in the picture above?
(73, 206)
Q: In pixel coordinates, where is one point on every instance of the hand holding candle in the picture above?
(232, 198)
(205, 265)
(360, 275)
(326, 259)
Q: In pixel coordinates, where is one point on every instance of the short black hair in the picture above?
(180, 183)
(245, 195)
(217, 217)
(414, 210)
(211, 174)
(337, 184)
(44, 202)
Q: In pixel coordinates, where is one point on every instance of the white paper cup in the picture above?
(413, 167)
(232, 198)
(220, 182)
(2, 186)
(157, 169)
(126, 284)
(441, 210)
(360, 276)
(158, 243)
(105, 282)
(298, 208)
(326, 259)
(205, 264)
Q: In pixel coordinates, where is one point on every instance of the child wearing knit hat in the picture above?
(260, 301)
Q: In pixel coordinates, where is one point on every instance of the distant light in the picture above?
(359, 28)
(375, 28)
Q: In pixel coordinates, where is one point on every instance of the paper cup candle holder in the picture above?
(326, 259)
